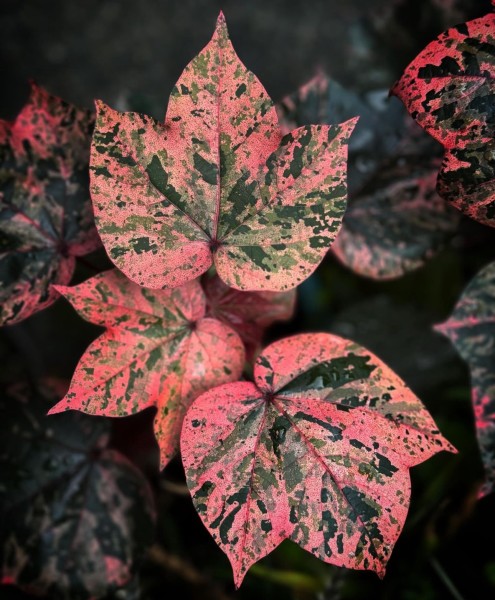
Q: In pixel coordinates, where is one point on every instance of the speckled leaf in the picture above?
(471, 328)
(380, 133)
(449, 90)
(217, 183)
(248, 313)
(76, 516)
(396, 223)
(46, 218)
(158, 349)
(316, 450)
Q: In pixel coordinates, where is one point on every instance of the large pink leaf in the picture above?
(46, 219)
(248, 313)
(471, 328)
(316, 450)
(449, 89)
(158, 350)
(217, 183)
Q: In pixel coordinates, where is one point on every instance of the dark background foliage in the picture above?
(130, 54)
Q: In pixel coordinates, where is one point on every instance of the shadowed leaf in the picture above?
(76, 516)
(46, 219)
(248, 313)
(396, 224)
(395, 221)
(379, 133)
(471, 328)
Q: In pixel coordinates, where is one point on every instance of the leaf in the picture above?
(46, 219)
(158, 350)
(395, 221)
(471, 328)
(248, 313)
(396, 224)
(77, 516)
(380, 132)
(217, 183)
(316, 450)
(449, 91)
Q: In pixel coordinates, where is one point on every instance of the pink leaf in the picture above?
(248, 313)
(158, 350)
(217, 183)
(317, 450)
(448, 89)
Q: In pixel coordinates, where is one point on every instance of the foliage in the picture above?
(212, 217)
(46, 219)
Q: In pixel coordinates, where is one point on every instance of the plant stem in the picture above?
(437, 567)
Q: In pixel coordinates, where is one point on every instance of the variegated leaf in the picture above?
(77, 516)
(471, 328)
(46, 219)
(449, 90)
(248, 313)
(217, 183)
(316, 450)
(396, 224)
(379, 133)
(158, 350)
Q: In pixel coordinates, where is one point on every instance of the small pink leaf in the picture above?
(448, 89)
(471, 328)
(217, 183)
(158, 350)
(316, 450)
(248, 313)
(46, 218)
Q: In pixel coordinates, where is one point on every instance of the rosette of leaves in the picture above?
(317, 450)
(46, 220)
(77, 516)
(471, 328)
(217, 183)
(449, 90)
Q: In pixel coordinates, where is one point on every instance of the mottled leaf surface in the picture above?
(380, 131)
(449, 90)
(158, 350)
(76, 515)
(217, 183)
(248, 313)
(396, 224)
(46, 219)
(471, 328)
(317, 450)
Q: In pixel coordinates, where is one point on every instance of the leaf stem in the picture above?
(439, 570)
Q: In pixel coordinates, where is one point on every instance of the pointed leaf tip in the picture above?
(350, 125)
(221, 25)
